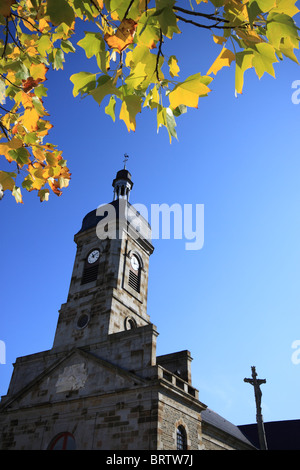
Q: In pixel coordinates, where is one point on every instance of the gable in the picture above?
(79, 374)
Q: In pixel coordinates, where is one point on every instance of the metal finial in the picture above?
(125, 160)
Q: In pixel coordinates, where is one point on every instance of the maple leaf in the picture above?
(130, 107)
(189, 91)
(6, 180)
(123, 36)
(30, 83)
(224, 59)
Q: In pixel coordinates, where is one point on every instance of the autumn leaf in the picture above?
(30, 83)
(16, 192)
(44, 194)
(38, 72)
(224, 59)
(173, 64)
(189, 91)
(83, 82)
(105, 87)
(244, 62)
(123, 36)
(13, 144)
(130, 107)
(7, 180)
(30, 119)
(60, 11)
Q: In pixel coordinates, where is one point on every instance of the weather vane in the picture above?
(125, 160)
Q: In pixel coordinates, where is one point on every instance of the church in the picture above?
(101, 386)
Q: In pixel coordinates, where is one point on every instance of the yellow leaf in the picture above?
(189, 91)
(13, 144)
(16, 192)
(38, 71)
(174, 69)
(38, 153)
(6, 180)
(224, 59)
(219, 39)
(36, 175)
(130, 107)
(124, 35)
(43, 194)
(30, 119)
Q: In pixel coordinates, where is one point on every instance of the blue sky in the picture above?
(234, 303)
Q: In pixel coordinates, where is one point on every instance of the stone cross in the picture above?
(259, 419)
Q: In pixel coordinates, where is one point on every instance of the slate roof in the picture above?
(280, 435)
(212, 418)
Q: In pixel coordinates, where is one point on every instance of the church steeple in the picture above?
(109, 283)
(122, 183)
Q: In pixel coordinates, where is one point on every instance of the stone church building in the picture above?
(102, 386)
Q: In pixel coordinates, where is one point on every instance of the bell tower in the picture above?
(109, 283)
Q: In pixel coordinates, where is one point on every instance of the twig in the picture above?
(159, 53)
(127, 11)
(209, 16)
(4, 130)
(5, 78)
(25, 19)
(215, 25)
(100, 12)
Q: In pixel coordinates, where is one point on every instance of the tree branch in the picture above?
(127, 11)
(208, 16)
(5, 78)
(215, 25)
(159, 53)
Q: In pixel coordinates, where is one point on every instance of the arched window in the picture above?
(63, 441)
(181, 438)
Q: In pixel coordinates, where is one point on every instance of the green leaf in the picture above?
(92, 43)
(263, 59)
(20, 155)
(105, 87)
(281, 26)
(2, 91)
(83, 82)
(60, 12)
(130, 107)
(6, 180)
(57, 58)
(110, 108)
(44, 45)
(67, 46)
(189, 91)
(171, 124)
(243, 62)
(148, 30)
(40, 91)
(166, 17)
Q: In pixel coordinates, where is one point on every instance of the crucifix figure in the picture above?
(259, 419)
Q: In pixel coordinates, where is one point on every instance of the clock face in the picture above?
(135, 263)
(93, 256)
